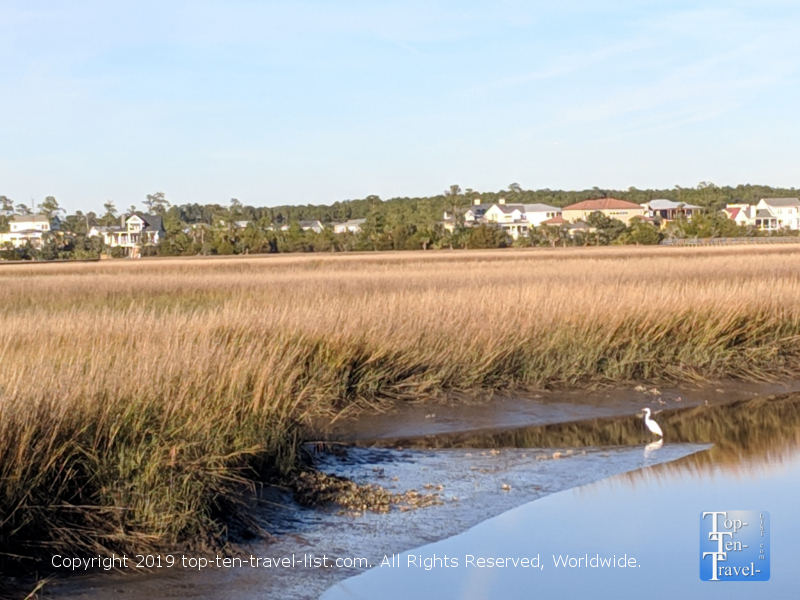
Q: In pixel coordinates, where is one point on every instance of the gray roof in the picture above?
(670, 205)
(764, 214)
(30, 219)
(152, 222)
(540, 208)
(782, 201)
(311, 223)
(509, 208)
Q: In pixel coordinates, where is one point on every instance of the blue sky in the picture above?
(313, 102)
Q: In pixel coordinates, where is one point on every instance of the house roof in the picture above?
(603, 204)
(540, 208)
(311, 223)
(151, 222)
(557, 220)
(764, 214)
(781, 201)
(733, 212)
(662, 204)
(30, 219)
(509, 208)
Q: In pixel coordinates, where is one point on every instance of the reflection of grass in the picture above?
(137, 397)
(763, 429)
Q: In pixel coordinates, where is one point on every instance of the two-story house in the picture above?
(784, 211)
(24, 229)
(134, 231)
(621, 210)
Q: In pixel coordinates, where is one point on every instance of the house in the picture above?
(24, 229)
(314, 225)
(517, 219)
(132, 233)
(536, 214)
(572, 228)
(765, 220)
(475, 212)
(741, 214)
(669, 210)
(611, 207)
(785, 210)
(352, 226)
(504, 213)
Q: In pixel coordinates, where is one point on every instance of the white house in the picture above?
(476, 212)
(314, 225)
(517, 219)
(536, 214)
(133, 232)
(669, 210)
(31, 229)
(786, 211)
(353, 226)
(504, 213)
(741, 214)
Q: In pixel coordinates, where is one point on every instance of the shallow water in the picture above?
(519, 500)
(651, 515)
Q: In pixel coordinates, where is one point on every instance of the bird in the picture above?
(652, 425)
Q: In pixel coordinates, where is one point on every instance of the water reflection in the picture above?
(758, 431)
(650, 450)
(650, 514)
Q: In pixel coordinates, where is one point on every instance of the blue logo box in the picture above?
(734, 545)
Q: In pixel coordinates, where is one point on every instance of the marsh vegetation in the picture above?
(139, 399)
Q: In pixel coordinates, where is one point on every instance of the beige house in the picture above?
(24, 229)
(611, 207)
(132, 233)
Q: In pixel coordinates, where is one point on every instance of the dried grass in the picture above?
(136, 398)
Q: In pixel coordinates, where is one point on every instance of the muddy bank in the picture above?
(463, 416)
(473, 485)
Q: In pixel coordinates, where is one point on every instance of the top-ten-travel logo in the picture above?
(734, 545)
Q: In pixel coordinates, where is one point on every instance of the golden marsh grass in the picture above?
(137, 398)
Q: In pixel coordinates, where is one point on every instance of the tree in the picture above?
(6, 210)
(23, 209)
(235, 209)
(606, 229)
(641, 233)
(157, 203)
(110, 216)
(6, 206)
(453, 194)
(50, 207)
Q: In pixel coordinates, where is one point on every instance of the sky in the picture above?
(313, 102)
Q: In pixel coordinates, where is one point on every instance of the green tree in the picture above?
(641, 233)
(156, 203)
(50, 207)
(110, 216)
(606, 229)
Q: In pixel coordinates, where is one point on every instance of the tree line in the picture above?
(393, 224)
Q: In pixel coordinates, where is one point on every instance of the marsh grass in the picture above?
(138, 399)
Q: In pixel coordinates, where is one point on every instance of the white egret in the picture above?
(652, 425)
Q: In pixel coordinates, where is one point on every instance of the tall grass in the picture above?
(137, 398)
